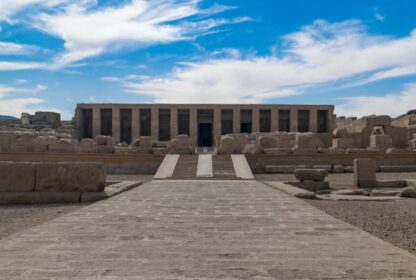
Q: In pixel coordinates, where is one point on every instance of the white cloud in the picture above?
(393, 104)
(39, 88)
(318, 54)
(7, 48)
(5, 90)
(8, 8)
(378, 15)
(14, 66)
(89, 30)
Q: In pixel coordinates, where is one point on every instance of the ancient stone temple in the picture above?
(203, 123)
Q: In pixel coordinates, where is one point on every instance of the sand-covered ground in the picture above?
(394, 221)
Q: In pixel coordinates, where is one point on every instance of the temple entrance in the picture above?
(205, 135)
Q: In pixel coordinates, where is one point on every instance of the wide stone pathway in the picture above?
(201, 230)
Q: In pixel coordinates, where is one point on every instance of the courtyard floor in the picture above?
(201, 230)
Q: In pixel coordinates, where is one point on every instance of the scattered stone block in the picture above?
(311, 186)
(226, 145)
(17, 176)
(326, 167)
(342, 143)
(381, 141)
(284, 169)
(409, 192)
(70, 177)
(252, 148)
(182, 144)
(340, 133)
(308, 141)
(316, 175)
(364, 173)
(338, 169)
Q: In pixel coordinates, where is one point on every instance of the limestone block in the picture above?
(377, 121)
(409, 192)
(342, 143)
(317, 175)
(364, 173)
(278, 151)
(101, 140)
(338, 169)
(63, 146)
(70, 177)
(252, 148)
(87, 145)
(104, 149)
(226, 145)
(7, 139)
(241, 140)
(17, 176)
(285, 140)
(309, 141)
(311, 186)
(340, 133)
(381, 141)
(267, 142)
(182, 144)
(326, 167)
(284, 169)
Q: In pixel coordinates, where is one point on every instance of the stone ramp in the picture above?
(204, 166)
(201, 230)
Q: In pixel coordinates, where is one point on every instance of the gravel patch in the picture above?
(394, 222)
(15, 218)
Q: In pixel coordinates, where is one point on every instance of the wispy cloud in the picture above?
(89, 30)
(319, 53)
(378, 15)
(15, 66)
(8, 48)
(359, 106)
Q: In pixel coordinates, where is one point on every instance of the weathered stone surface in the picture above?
(285, 169)
(101, 140)
(381, 141)
(308, 141)
(340, 133)
(409, 192)
(326, 167)
(311, 186)
(63, 146)
(17, 176)
(377, 121)
(317, 175)
(227, 145)
(160, 151)
(182, 144)
(342, 143)
(70, 177)
(338, 169)
(87, 145)
(364, 173)
(252, 148)
(241, 140)
(267, 142)
(278, 151)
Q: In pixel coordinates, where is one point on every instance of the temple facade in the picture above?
(202, 122)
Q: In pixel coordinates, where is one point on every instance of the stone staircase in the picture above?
(204, 167)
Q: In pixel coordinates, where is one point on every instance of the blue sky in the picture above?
(359, 55)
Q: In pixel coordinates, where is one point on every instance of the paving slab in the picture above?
(201, 230)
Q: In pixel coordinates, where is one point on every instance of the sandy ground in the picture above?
(394, 222)
(15, 218)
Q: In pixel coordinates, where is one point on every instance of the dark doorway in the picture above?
(205, 135)
(125, 125)
(86, 122)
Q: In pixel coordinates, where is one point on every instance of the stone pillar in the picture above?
(193, 124)
(135, 123)
(155, 123)
(294, 120)
(313, 120)
(275, 120)
(116, 124)
(217, 123)
(173, 122)
(236, 121)
(96, 121)
(255, 120)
